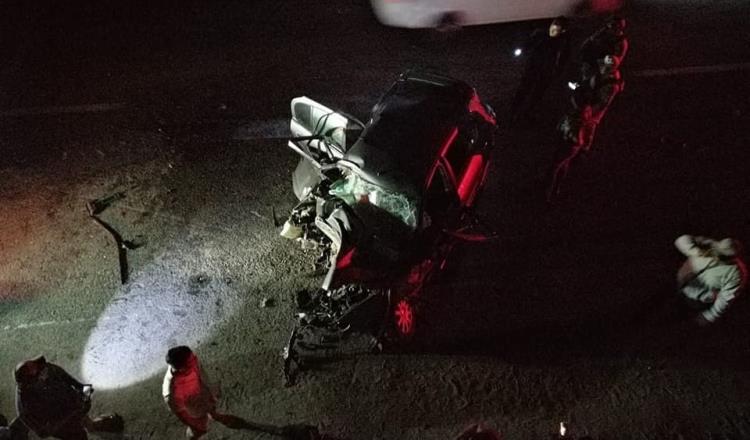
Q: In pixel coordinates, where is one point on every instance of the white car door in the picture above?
(310, 118)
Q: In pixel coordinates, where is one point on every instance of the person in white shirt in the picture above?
(712, 277)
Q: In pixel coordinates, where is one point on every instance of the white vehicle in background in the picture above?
(453, 13)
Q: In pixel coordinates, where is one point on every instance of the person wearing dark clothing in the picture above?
(572, 136)
(546, 53)
(608, 40)
(598, 91)
(589, 103)
(51, 403)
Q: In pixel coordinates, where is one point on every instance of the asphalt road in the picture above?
(184, 107)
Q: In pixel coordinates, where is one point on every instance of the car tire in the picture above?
(397, 338)
(404, 318)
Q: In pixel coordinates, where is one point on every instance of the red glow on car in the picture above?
(471, 179)
(448, 141)
(475, 105)
(345, 259)
(404, 315)
(418, 273)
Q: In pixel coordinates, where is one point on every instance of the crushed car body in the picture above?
(383, 203)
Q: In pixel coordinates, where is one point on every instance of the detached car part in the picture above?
(96, 207)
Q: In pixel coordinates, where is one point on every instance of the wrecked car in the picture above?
(383, 203)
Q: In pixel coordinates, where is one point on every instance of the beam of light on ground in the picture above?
(177, 300)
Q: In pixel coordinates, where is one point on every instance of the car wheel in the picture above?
(404, 319)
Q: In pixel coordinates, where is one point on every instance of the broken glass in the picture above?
(353, 189)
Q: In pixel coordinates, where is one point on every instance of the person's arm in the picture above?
(34, 412)
(688, 246)
(26, 415)
(730, 285)
(167, 391)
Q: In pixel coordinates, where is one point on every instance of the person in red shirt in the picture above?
(191, 397)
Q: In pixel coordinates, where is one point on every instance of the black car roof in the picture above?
(407, 128)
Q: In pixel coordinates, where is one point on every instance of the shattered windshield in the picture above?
(354, 189)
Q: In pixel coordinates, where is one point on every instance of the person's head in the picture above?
(727, 249)
(31, 371)
(558, 26)
(178, 357)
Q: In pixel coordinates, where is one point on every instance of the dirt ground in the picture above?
(557, 320)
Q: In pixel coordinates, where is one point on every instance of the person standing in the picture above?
(598, 92)
(571, 139)
(51, 403)
(589, 103)
(712, 276)
(190, 395)
(546, 51)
